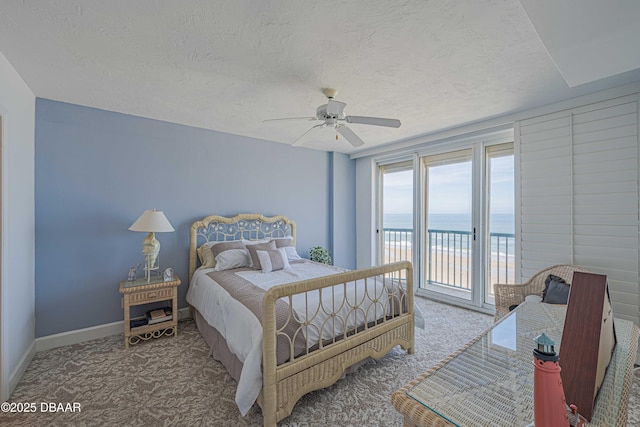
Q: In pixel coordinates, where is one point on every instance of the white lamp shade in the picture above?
(152, 221)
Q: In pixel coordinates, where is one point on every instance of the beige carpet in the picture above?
(173, 381)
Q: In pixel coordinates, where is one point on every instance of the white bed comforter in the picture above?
(237, 324)
(243, 331)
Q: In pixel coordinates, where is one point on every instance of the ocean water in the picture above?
(452, 242)
(499, 223)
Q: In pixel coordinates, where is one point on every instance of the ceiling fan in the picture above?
(332, 115)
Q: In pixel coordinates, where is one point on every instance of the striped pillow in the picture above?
(255, 261)
(273, 260)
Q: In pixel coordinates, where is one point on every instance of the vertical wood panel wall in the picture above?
(579, 201)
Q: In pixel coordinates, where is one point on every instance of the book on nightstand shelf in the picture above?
(159, 315)
(139, 321)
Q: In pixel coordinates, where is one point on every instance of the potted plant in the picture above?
(319, 254)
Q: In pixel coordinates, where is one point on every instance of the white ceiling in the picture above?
(230, 64)
(588, 39)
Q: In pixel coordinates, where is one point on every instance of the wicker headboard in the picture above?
(216, 228)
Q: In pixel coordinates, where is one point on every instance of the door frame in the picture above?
(479, 139)
(449, 152)
(3, 374)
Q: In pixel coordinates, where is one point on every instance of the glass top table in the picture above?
(153, 282)
(490, 382)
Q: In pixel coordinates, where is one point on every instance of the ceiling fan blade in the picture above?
(377, 121)
(350, 136)
(335, 108)
(309, 119)
(298, 141)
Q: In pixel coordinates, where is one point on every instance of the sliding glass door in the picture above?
(448, 190)
(500, 247)
(396, 213)
(462, 241)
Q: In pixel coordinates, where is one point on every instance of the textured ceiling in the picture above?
(230, 64)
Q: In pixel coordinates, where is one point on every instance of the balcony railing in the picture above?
(449, 255)
(449, 258)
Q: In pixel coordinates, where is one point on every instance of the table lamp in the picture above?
(151, 221)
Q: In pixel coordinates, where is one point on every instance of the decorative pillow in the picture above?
(273, 260)
(287, 244)
(225, 246)
(556, 290)
(292, 254)
(255, 261)
(232, 258)
(281, 242)
(207, 260)
(208, 256)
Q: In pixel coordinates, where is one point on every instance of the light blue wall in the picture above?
(343, 206)
(97, 171)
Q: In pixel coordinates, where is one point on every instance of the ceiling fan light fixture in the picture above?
(329, 92)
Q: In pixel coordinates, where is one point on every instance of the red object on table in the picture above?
(549, 403)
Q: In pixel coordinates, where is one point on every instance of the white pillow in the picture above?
(292, 254)
(273, 260)
(232, 258)
(206, 255)
(287, 244)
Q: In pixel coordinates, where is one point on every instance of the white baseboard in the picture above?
(17, 373)
(78, 336)
(87, 334)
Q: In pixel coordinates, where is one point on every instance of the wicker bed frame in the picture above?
(286, 383)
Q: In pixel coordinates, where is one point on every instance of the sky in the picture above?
(450, 189)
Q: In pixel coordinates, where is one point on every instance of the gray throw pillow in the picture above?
(253, 249)
(556, 290)
(225, 246)
(283, 242)
(273, 260)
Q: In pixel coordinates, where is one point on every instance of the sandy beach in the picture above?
(454, 268)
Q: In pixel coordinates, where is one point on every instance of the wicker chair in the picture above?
(507, 295)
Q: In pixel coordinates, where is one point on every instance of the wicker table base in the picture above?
(135, 339)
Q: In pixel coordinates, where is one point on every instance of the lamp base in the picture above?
(150, 250)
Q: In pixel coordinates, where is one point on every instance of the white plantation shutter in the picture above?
(545, 193)
(578, 186)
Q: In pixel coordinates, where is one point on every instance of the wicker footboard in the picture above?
(285, 384)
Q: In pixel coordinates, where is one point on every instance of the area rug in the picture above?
(174, 381)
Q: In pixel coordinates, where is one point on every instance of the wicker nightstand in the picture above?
(140, 292)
